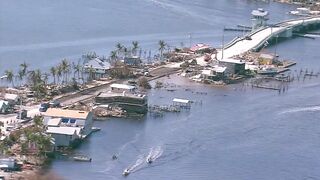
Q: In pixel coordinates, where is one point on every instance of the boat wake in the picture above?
(155, 153)
(302, 109)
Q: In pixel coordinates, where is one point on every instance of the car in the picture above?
(44, 107)
(54, 103)
(247, 38)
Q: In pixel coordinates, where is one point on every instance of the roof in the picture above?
(219, 69)
(64, 130)
(185, 101)
(11, 96)
(234, 61)
(260, 12)
(122, 86)
(198, 47)
(53, 122)
(56, 112)
(97, 64)
(267, 56)
(207, 72)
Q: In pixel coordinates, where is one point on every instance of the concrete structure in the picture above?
(8, 163)
(233, 66)
(259, 37)
(70, 118)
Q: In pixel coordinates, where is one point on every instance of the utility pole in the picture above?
(190, 38)
(222, 44)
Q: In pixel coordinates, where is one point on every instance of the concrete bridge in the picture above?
(257, 39)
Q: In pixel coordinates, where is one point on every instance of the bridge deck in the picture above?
(242, 45)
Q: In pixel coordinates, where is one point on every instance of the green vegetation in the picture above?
(144, 83)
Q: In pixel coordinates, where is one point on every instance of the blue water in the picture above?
(236, 133)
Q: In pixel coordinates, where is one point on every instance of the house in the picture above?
(64, 136)
(12, 99)
(184, 103)
(200, 48)
(8, 163)
(98, 66)
(4, 107)
(215, 73)
(132, 61)
(233, 66)
(120, 88)
(55, 117)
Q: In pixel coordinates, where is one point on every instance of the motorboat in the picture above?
(82, 158)
(149, 160)
(126, 172)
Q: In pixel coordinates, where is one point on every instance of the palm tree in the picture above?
(24, 67)
(91, 74)
(119, 47)
(21, 75)
(10, 76)
(46, 77)
(135, 47)
(77, 69)
(53, 72)
(65, 69)
(59, 72)
(113, 56)
(162, 46)
(125, 51)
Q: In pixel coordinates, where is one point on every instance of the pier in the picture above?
(260, 37)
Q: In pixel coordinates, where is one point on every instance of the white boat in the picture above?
(126, 172)
(149, 160)
(82, 158)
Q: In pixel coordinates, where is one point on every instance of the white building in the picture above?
(259, 18)
(64, 136)
(120, 88)
(99, 66)
(67, 124)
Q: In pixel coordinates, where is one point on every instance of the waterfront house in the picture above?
(100, 67)
(69, 118)
(184, 103)
(233, 66)
(132, 61)
(266, 59)
(215, 73)
(200, 48)
(4, 107)
(64, 136)
(121, 88)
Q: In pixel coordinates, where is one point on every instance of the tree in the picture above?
(91, 72)
(144, 83)
(65, 66)
(113, 57)
(77, 68)
(119, 47)
(135, 47)
(162, 46)
(125, 51)
(59, 72)
(10, 76)
(23, 72)
(38, 120)
(53, 72)
(21, 75)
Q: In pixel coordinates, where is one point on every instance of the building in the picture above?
(200, 48)
(4, 107)
(64, 136)
(266, 59)
(12, 99)
(132, 61)
(8, 163)
(99, 67)
(233, 66)
(215, 73)
(120, 88)
(259, 18)
(55, 117)
(125, 97)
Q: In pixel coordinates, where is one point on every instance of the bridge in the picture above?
(257, 39)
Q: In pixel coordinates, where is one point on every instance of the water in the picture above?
(237, 133)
